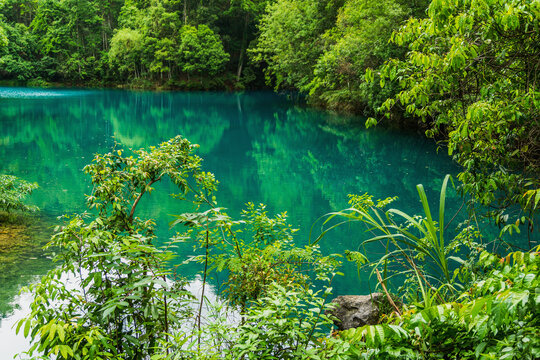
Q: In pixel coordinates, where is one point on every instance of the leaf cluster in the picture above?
(13, 192)
(471, 74)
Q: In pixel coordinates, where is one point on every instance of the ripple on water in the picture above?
(33, 93)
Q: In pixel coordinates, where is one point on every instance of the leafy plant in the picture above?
(471, 74)
(269, 257)
(13, 192)
(497, 318)
(416, 245)
(123, 301)
(286, 323)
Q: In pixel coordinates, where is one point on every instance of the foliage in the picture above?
(122, 303)
(13, 192)
(357, 41)
(472, 75)
(287, 323)
(289, 41)
(486, 308)
(114, 294)
(201, 50)
(322, 48)
(266, 268)
(3, 38)
(69, 32)
(497, 318)
(126, 50)
(270, 257)
(16, 56)
(101, 41)
(415, 247)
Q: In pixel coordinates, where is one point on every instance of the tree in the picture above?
(201, 50)
(251, 11)
(290, 39)
(472, 75)
(126, 51)
(161, 28)
(124, 304)
(19, 56)
(18, 11)
(69, 31)
(358, 41)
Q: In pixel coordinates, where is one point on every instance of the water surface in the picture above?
(261, 146)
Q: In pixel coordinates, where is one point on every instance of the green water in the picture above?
(262, 147)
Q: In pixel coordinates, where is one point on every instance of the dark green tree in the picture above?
(69, 31)
(358, 41)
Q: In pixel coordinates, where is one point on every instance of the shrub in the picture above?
(13, 192)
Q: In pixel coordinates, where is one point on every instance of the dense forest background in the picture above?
(320, 47)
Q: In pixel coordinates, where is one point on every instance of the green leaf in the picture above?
(108, 311)
(27, 327)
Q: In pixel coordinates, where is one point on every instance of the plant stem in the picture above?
(202, 294)
(386, 292)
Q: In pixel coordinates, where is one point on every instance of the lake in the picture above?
(262, 147)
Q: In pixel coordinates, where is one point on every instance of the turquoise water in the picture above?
(261, 146)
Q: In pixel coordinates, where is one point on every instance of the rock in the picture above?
(354, 311)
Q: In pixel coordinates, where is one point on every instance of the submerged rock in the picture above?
(354, 311)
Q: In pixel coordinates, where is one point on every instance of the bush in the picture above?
(13, 192)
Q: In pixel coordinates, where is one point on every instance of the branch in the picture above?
(140, 196)
(386, 292)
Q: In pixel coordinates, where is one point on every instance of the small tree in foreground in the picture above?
(122, 302)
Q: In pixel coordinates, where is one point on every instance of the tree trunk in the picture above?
(242, 49)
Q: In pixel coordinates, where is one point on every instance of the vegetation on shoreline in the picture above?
(472, 76)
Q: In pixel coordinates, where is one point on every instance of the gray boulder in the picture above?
(354, 311)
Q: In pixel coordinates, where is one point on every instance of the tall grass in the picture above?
(416, 243)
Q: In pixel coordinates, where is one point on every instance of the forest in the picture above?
(218, 44)
(462, 72)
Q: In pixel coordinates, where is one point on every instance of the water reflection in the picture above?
(260, 146)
